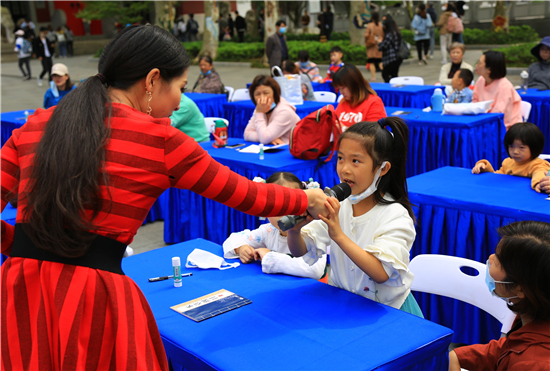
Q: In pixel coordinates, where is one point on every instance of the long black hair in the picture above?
(68, 166)
(382, 146)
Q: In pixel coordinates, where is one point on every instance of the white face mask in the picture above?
(204, 260)
(354, 199)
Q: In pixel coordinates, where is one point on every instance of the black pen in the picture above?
(163, 278)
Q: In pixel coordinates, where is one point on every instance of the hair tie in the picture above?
(312, 184)
(101, 78)
(382, 123)
(258, 180)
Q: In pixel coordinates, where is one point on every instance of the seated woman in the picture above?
(518, 273)
(308, 67)
(290, 68)
(360, 102)
(493, 85)
(448, 70)
(274, 117)
(539, 72)
(60, 85)
(190, 120)
(209, 81)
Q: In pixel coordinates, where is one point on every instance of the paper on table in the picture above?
(254, 148)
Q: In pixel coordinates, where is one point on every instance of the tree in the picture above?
(123, 12)
(294, 9)
(501, 16)
(359, 16)
(271, 14)
(210, 34)
(164, 14)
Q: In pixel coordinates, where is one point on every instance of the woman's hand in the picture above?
(263, 105)
(332, 221)
(260, 253)
(544, 185)
(316, 199)
(479, 168)
(246, 254)
(277, 141)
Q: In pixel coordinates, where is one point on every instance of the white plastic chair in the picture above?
(441, 275)
(525, 110)
(231, 91)
(325, 96)
(407, 80)
(210, 123)
(340, 98)
(240, 94)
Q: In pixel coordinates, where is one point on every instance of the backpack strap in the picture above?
(335, 130)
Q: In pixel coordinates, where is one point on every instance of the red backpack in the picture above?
(310, 138)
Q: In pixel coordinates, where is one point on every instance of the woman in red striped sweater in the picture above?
(85, 174)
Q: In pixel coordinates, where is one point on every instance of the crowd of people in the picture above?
(81, 203)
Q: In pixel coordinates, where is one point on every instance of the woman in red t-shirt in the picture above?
(360, 102)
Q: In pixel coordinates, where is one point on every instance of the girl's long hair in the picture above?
(349, 76)
(63, 196)
(382, 146)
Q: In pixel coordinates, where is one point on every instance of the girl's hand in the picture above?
(246, 254)
(260, 253)
(277, 141)
(332, 221)
(263, 105)
(478, 168)
(544, 185)
(298, 227)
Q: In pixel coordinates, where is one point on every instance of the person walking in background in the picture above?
(276, 48)
(329, 21)
(374, 56)
(389, 47)
(305, 22)
(421, 25)
(70, 37)
(192, 28)
(61, 42)
(433, 16)
(23, 48)
(445, 36)
(240, 24)
(51, 36)
(43, 49)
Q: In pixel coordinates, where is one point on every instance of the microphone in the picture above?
(340, 191)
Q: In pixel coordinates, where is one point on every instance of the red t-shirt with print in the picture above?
(371, 109)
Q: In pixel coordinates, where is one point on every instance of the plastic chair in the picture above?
(230, 90)
(240, 94)
(340, 98)
(210, 123)
(325, 96)
(441, 275)
(407, 80)
(525, 110)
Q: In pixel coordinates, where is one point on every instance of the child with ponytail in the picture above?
(370, 233)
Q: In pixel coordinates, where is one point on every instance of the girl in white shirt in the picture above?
(268, 244)
(370, 233)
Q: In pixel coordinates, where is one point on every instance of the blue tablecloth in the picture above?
(211, 105)
(415, 96)
(292, 323)
(458, 214)
(11, 121)
(437, 140)
(540, 112)
(192, 216)
(239, 114)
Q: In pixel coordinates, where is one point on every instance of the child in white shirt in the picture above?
(269, 245)
(371, 232)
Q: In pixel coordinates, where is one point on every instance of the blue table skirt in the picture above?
(192, 216)
(458, 214)
(11, 121)
(414, 96)
(317, 86)
(239, 114)
(159, 209)
(540, 112)
(437, 140)
(211, 105)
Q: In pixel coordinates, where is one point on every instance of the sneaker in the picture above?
(39, 81)
(425, 61)
(431, 56)
(420, 63)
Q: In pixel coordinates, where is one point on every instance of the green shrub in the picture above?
(519, 55)
(235, 52)
(335, 36)
(193, 48)
(516, 34)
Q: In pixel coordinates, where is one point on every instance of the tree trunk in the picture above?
(210, 34)
(252, 24)
(164, 15)
(271, 14)
(359, 15)
(501, 17)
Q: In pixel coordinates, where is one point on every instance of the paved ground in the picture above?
(20, 95)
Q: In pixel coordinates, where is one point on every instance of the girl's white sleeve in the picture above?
(317, 241)
(255, 239)
(393, 239)
(275, 262)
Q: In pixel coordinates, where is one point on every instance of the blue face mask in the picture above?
(282, 30)
(207, 73)
(304, 64)
(273, 105)
(491, 284)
